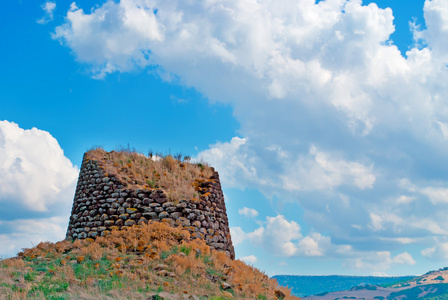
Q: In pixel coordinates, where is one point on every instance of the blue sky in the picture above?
(327, 121)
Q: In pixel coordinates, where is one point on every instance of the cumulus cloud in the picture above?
(34, 173)
(114, 37)
(404, 259)
(313, 245)
(439, 252)
(335, 53)
(36, 181)
(316, 170)
(332, 115)
(251, 259)
(48, 7)
(277, 236)
(248, 212)
(281, 237)
(436, 16)
(379, 261)
(238, 235)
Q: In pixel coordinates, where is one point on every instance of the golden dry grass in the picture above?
(137, 171)
(133, 263)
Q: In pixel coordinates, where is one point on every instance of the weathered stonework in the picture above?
(102, 203)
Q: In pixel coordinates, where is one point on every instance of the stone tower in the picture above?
(103, 202)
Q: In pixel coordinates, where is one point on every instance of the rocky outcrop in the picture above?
(102, 203)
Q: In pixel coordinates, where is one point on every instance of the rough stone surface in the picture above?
(102, 203)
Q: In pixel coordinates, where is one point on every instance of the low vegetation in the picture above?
(173, 174)
(151, 261)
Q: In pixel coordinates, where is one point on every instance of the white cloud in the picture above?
(30, 232)
(248, 212)
(436, 16)
(251, 259)
(314, 245)
(316, 170)
(406, 184)
(34, 173)
(283, 238)
(332, 115)
(380, 261)
(404, 259)
(438, 253)
(224, 157)
(36, 181)
(376, 222)
(48, 7)
(332, 54)
(401, 240)
(114, 37)
(238, 235)
(403, 199)
(321, 171)
(277, 236)
(436, 195)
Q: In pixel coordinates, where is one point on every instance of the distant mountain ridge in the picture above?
(303, 286)
(430, 286)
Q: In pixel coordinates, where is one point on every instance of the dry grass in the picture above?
(137, 171)
(134, 263)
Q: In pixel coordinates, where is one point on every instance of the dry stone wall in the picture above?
(102, 203)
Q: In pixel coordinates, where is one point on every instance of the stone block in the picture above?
(171, 209)
(175, 215)
(109, 223)
(161, 200)
(168, 221)
(147, 201)
(205, 224)
(150, 215)
(131, 210)
(197, 235)
(148, 209)
(136, 216)
(124, 216)
(163, 215)
(191, 216)
(129, 223)
(167, 204)
(181, 205)
(183, 222)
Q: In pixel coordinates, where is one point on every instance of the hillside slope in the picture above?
(150, 261)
